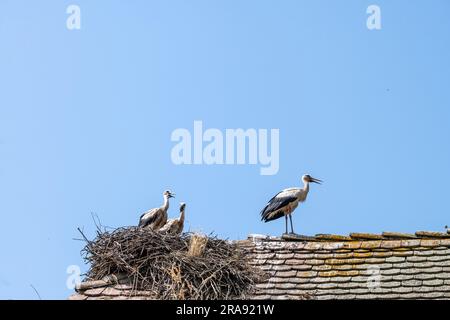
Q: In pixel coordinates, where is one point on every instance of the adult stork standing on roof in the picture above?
(157, 217)
(175, 226)
(286, 201)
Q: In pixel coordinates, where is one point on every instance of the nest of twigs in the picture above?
(172, 266)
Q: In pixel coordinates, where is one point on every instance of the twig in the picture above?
(39, 296)
(84, 237)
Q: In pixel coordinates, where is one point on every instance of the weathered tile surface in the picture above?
(397, 266)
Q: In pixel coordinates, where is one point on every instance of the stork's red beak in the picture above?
(318, 181)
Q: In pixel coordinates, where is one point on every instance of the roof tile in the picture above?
(352, 285)
(295, 261)
(377, 260)
(411, 243)
(402, 277)
(344, 261)
(416, 259)
(138, 298)
(286, 274)
(371, 244)
(403, 253)
(337, 273)
(341, 279)
(391, 272)
(285, 285)
(432, 270)
(302, 256)
(360, 291)
(410, 271)
(314, 262)
(313, 246)
(433, 282)
(352, 245)
(265, 256)
(264, 286)
(422, 253)
(306, 286)
(366, 236)
(442, 264)
(344, 267)
(438, 258)
(77, 296)
(424, 276)
(94, 292)
(332, 237)
(281, 267)
(412, 283)
(323, 256)
(391, 284)
(303, 267)
(123, 287)
(398, 235)
(360, 279)
(327, 286)
(318, 280)
(323, 267)
(332, 246)
(423, 289)
(343, 255)
(363, 255)
(282, 280)
(389, 244)
(284, 256)
(395, 259)
(111, 292)
(434, 295)
(306, 274)
(382, 254)
(428, 234)
(442, 275)
(430, 243)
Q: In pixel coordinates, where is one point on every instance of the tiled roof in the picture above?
(357, 266)
(110, 288)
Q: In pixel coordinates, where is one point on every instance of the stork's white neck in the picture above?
(166, 203)
(182, 215)
(306, 186)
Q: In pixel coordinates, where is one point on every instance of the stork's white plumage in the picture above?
(286, 201)
(175, 226)
(156, 218)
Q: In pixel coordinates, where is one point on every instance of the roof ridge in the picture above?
(355, 236)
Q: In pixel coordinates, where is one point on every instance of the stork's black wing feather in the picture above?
(270, 213)
(150, 219)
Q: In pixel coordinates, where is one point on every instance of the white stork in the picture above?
(286, 201)
(157, 217)
(175, 226)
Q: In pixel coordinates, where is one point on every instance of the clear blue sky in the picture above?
(86, 118)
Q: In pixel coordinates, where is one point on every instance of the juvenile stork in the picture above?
(175, 226)
(157, 217)
(286, 201)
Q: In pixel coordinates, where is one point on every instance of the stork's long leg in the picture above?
(292, 226)
(285, 216)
